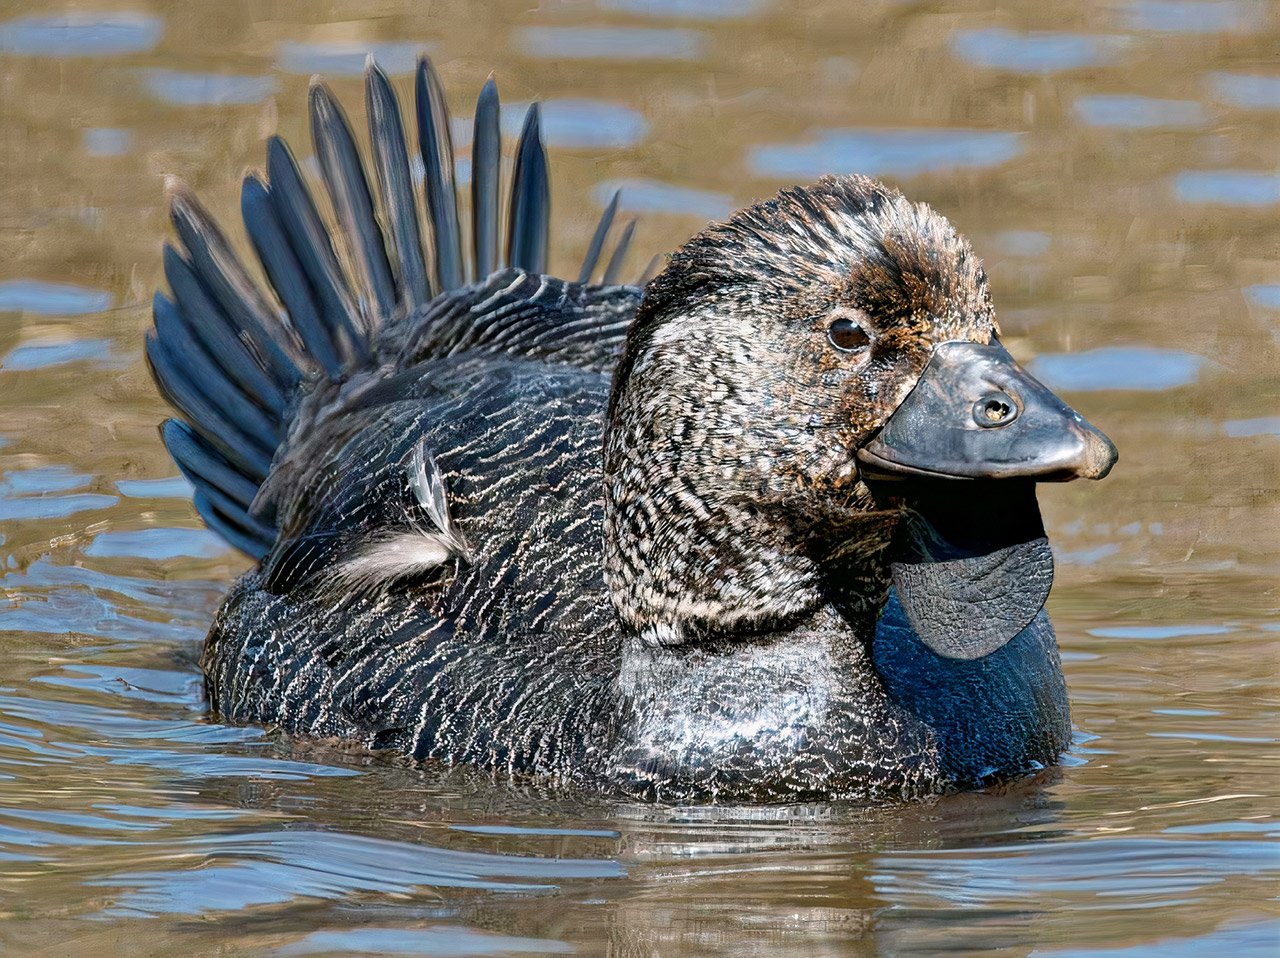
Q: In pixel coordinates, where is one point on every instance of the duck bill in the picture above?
(976, 414)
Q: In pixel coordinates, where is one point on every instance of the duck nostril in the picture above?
(995, 409)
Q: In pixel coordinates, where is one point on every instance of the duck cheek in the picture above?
(873, 395)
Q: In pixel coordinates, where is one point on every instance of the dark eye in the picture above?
(847, 335)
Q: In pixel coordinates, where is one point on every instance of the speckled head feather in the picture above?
(847, 240)
(735, 415)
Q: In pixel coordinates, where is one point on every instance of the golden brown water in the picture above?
(1116, 163)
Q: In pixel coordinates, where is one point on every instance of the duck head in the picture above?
(814, 403)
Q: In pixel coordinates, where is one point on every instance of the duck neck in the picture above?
(683, 563)
(708, 536)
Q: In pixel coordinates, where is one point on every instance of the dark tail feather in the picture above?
(614, 269)
(651, 270)
(530, 216)
(201, 390)
(306, 234)
(233, 512)
(386, 132)
(222, 273)
(436, 143)
(223, 343)
(486, 173)
(592, 258)
(348, 188)
(220, 490)
(248, 539)
(204, 466)
(287, 275)
(178, 376)
(230, 362)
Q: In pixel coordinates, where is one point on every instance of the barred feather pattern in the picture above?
(483, 664)
(515, 661)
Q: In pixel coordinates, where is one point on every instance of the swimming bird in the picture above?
(762, 528)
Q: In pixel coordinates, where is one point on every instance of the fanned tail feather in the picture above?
(386, 133)
(344, 178)
(230, 360)
(486, 176)
(435, 141)
(529, 224)
(592, 258)
(614, 269)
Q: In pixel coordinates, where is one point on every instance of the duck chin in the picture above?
(970, 563)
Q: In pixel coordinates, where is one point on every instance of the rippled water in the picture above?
(1117, 164)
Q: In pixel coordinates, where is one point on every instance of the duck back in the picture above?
(501, 656)
(405, 437)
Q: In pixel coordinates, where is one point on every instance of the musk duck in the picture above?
(762, 528)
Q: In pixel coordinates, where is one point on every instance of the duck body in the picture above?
(713, 538)
(513, 659)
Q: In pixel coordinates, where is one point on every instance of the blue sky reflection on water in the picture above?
(884, 153)
(688, 9)
(43, 354)
(54, 507)
(581, 124)
(156, 543)
(1248, 90)
(347, 58)
(567, 123)
(51, 299)
(1140, 112)
(1229, 187)
(79, 34)
(1192, 16)
(326, 864)
(107, 141)
(1118, 367)
(1266, 295)
(1040, 52)
(441, 941)
(173, 487)
(1247, 428)
(600, 43)
(207, 89)
(651, 196)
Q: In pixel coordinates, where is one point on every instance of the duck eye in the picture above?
(847, 336)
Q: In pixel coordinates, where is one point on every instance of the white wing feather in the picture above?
(410, 553)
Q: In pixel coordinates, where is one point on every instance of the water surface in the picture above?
(1114, 164)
